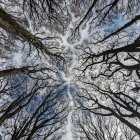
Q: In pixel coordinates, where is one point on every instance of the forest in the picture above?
(69, 69)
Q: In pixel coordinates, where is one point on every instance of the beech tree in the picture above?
(100, 128)
(33, 103)
(110, 60)
(70, 61)
(40, 118)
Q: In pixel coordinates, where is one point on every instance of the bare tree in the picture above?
(33, 113)
(105, 75)
(109, 67)
(91, 127)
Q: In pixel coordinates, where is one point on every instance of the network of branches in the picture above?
(95, 44)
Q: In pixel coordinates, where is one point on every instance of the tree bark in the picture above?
(25, 70)
(11, 26)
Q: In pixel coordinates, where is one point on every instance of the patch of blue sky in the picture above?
(118, 21)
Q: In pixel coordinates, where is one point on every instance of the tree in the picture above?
(33, 103)
(110, 63)
(95, 127)
(42, 122)
(87, 49)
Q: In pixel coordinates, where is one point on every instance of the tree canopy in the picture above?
(70, 69)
